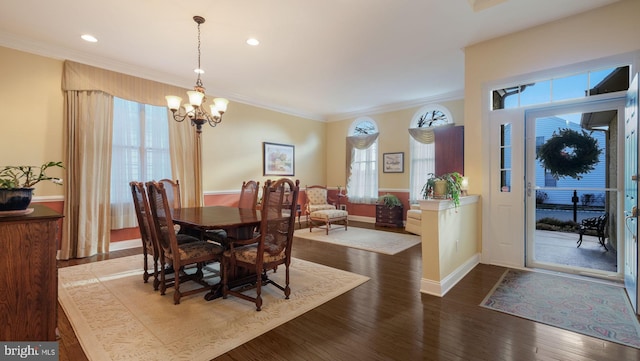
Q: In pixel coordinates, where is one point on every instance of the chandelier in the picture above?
(194, 110)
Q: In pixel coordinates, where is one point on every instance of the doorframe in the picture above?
(484, 108)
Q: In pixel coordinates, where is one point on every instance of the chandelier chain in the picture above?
(199, 70)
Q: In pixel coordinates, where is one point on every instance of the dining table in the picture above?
(239, 221)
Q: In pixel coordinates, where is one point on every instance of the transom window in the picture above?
(573, 86)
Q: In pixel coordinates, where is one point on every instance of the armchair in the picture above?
(316, 199)
(319, 211)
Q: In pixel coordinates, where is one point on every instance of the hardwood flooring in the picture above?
(387, 318)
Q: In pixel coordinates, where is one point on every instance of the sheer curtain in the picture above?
(422, 163)
(362, 168)
(140, 152)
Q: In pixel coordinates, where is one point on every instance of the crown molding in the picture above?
(454, 95)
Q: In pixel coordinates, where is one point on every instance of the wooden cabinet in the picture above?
(389, 217)
(449, 152)
(29, 276)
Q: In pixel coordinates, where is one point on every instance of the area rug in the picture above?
(118, 317)
(586, 307)
(362, 238)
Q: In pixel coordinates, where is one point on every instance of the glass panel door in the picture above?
(571, 178)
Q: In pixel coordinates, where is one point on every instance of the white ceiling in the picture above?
(324, 60)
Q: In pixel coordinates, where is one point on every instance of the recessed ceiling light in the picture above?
(253, 41)
(89, 38)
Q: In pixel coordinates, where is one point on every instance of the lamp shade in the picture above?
(220, 105)
(173, 102)
(188, 108)
(465, 183)
(195, 98)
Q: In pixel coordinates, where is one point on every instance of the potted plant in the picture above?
(444, 186)
(389, 200)
(16, 184)
(389, 211)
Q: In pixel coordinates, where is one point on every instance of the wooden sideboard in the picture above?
(29, 275)
(389, 217)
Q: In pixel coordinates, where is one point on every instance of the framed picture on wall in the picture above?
(393, 162)
(278, 159)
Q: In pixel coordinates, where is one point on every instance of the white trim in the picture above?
(393, 190)
(441, 288)
(128, 244)
(48, 199)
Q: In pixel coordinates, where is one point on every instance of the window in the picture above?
(574, 86)
(422, 146)
(505, 157)
(362, 183)
(140, 152)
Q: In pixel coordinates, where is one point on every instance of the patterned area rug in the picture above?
(118, 317)
(586, 307)
(362, 238)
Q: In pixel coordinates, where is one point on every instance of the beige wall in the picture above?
(31, 130)
(393, 138)
(232, 152)
(607, 31)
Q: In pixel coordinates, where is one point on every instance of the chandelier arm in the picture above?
(178, 116)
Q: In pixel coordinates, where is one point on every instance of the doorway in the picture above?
(571, 181)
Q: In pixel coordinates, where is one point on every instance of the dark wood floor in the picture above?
(387, 318)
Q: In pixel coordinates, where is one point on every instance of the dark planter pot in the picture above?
(15, 199)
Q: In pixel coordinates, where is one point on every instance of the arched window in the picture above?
(422, 146)
(362, 161)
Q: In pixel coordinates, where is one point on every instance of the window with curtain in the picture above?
(362, 161)
(422, 157)
(140, 152)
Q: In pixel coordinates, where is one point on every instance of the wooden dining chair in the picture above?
(196, 253)
(270, 248)
(249, 194)
(172, 187)
(149, 244)
(248, 200)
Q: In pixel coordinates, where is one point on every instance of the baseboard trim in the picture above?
(441, 288)
(128, 244)
(362, 219)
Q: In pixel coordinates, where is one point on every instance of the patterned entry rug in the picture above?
(361, 238)
(118, 317)
(591, 308)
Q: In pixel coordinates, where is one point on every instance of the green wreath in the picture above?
(569, 153)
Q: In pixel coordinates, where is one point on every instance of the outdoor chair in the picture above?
(594, 224)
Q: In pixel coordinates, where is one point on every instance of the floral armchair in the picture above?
(316, 199)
